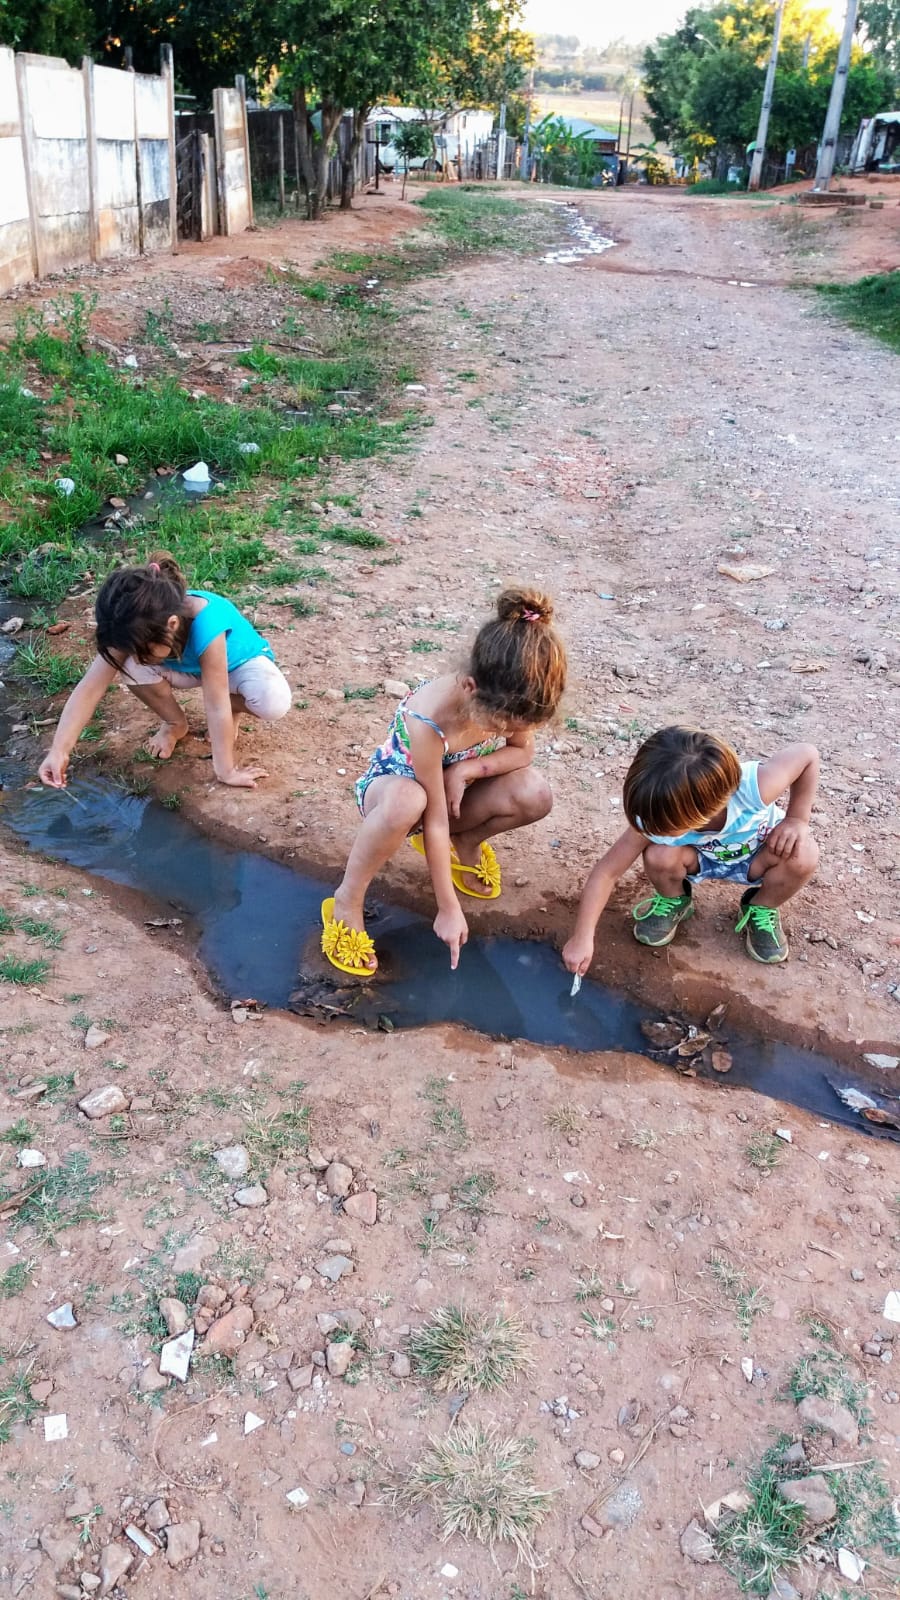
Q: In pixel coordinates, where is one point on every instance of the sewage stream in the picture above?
(259, 925)
(586, 241)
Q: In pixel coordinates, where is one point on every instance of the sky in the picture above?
(599, 21)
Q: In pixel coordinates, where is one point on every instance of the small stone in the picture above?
(182, 1542)
(95, 1037)
(151, 1381)
(449, 1571)
(362, 1207)
(63, 1316)
(338, 1179)
(81, 1506)
(60, 1544)
(813, 1496)
(251, 1197)
(592, 1527)
(174, 1314)
(696, 1544)
(587, 1460)
(105, 1102)
(335, 1267)
(300, 1377)
(782, 1589)
(396, 688)
(114, 1563)
(156, 1517)
(268, 1301)
(316, 1159)
(617, 1457)
(326, 1323)
(400, 1365)
(795, 1455)
(69, 1591)
(175, 1355)
(622, 1508)
(145, 1545)
(31, 1158)
(338, 1358)
(90, 1582)
(120, 460)
(830, 1417)
(228, 1333)
(190, 1257)
(857, 1275)
(233, 1160)
(439, 1203)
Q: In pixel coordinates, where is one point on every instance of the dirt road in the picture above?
(614, 431)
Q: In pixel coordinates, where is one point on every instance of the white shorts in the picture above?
(265, 690)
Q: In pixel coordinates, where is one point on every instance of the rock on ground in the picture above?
(182, 1542)
(813, 1495)
(830, 1417)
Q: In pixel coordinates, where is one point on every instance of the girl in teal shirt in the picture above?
(161, 636)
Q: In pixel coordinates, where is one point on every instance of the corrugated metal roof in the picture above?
(579, 126)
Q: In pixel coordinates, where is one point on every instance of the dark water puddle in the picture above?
(259, 925)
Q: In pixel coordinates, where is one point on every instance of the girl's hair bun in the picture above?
(525, 605)
(163, 565)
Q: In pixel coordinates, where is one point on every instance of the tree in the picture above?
(48, 27)
(212, 40)
(881, 21)
(412, 141)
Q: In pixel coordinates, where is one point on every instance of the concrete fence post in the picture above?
(28, 161)
(167, 70)
(90, 121)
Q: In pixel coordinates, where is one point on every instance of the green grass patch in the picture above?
(715, 186)
(20, 1134)
(361, 537)
(446, 1119)
(61, 1199)
(16, 1404)
(872, 303)
(15, 1279)
(469, 1352)
(748, 1302)
(24, 973)
(474, 220)
(52, 670)
(825, 1374)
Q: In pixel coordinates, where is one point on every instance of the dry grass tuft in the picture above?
(467, 1351)
(479, 1483)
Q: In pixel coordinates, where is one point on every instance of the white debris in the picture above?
(211, 1438)
(576, 1177)
(850, 1565)
(883, 1063)
(175, 1356)
(130, 361)
(63, 1316)
(891, 1311)
(32, 1158)
(66, 486)
(785, 1134)
(576, 986)
(56, 1427)
(197, 476)
(747, 1368)
(252, 1422)
(145, 1545)
(249, 449)
(13, 625)
(298, 1498)
(449, 1571)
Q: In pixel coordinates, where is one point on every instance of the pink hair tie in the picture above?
(154, 566)
(531, 616)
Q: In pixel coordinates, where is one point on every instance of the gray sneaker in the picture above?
(765, 939)
(657, 918)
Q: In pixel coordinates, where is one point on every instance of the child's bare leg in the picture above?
(393, 806)
(159, 699)
(497, 805)
(667, 866)
(781, 877)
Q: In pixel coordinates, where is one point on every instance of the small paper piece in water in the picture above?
(56, 1427)
(576, 985)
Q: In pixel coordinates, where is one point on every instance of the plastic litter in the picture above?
(850, 1565)
(197, 476)
(66, 486)
(56, 1427)
(576, 986)
(246, 450)
(891, 1311)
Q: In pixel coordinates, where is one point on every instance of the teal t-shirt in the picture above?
(242, 642)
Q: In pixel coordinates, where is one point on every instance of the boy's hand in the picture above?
(578, 954)
(53, 770)
(786, 837)
(452, 927)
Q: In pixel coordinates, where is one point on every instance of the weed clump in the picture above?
(470, 1352)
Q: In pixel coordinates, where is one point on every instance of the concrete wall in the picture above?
(16, 259)
(87, 165)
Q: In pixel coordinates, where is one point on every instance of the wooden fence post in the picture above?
(281, 161)
(241, 85)
(37, 265)
(87, 72)
(221, 196)
(167, 69)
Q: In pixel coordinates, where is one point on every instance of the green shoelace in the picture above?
(658, 905)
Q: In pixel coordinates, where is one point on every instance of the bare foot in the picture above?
(352, 915)
(471, 858)
(165, 739)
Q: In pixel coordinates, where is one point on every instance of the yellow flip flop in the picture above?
(346, 948)
(487, 870)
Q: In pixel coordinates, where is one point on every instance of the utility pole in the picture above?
(759, 154)
(525, 163)
(828, 148)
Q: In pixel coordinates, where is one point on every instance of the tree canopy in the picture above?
(704, 82)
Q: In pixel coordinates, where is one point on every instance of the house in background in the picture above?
(456, 134)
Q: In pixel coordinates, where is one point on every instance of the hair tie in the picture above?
(531, 616)
(154, 566)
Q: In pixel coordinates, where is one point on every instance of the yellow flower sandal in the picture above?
(348, 949)
(487, 870)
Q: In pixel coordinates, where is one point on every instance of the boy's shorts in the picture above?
(726, 871)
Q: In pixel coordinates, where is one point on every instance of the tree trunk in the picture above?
(348, 156)
(313, 146)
